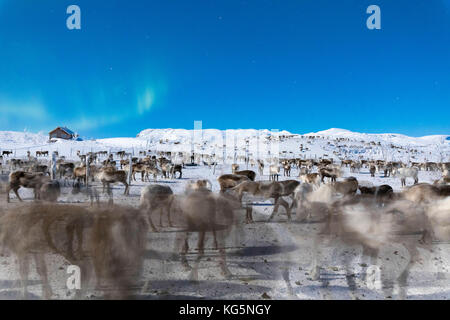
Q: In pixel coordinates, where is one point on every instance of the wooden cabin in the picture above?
(62, 133)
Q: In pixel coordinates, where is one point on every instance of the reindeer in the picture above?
(355, 167)
(19, 179)
(248, 173)
(331, 173)
(234, 168)
(382, 193)
(110, 243)
(228, 181)
(268, 190)
(361, 222)
(425, 193)
(372, 170)
(39, 229)
(117, 246)
(154, 197)
(151, 170)
(166, 169)
(260, 167)
(79, 173)
(347, 187)
(404, 173)
(121, 154)
(311, 178)
(196, 185)
(108, 176)
(274, 171)
(49, 191)
(89, 191)
(63, 167)
(176, 168)
(286, 169)
(138, 167)
(202, 211)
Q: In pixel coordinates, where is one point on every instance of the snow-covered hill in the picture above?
(336, 143)
(394, 138)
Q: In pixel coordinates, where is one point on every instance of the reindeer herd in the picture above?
(108, 240)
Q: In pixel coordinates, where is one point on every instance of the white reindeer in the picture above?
(404, 173)
(274, 171)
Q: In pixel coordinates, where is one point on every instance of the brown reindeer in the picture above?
(372, 170)
(39, 229)
(347, 187)
(63, 167)
(176, 168)
(269, 190)
(19, 179)
(49, 191)
(382, 194)
(425, 193)
(117, 246)
(138, 167)
(151, 170)
(109, 175)
(228, 181)
(202, 211)
(154, 197)
(331, 173)
(110, 242)
(287, 169)
(79, 173)
(311, 178)
(248, 173)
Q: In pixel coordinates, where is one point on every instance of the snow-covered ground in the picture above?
(332, 143)
(265, 258)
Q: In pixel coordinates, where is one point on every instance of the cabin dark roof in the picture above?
(66, 130)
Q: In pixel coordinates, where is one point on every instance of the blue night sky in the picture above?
(302, 66)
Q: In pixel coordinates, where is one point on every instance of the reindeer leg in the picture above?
(168, 213)
(216, 245)
(17, 194)
(315, 269)
(286, 206)
(41, 269)
(8, 190)
(223, 260)
(403, 279)
(183, 252)
(249, 214)
(161, 211)
(201, 242)
(275, 208)
(349, 276)
(24, 268)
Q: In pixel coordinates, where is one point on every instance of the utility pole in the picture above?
(88, 169)
(130, 169)
(53, 166)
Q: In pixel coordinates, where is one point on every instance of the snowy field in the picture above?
(267, 259)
